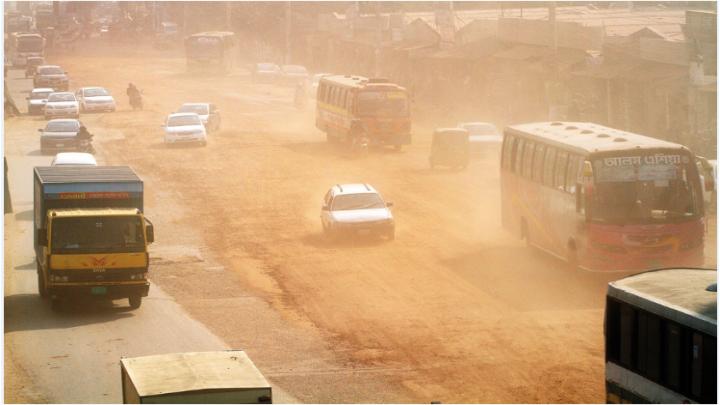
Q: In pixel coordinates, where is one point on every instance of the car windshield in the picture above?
(181, 120)
(481, 129)
(61, 97)
(360, 201)
(95, 92)
(267, 67)
(62, 126)
(40, 95)
(639, 189)
(383, 103)
(201, 109)
(50, 71)
(97, 234)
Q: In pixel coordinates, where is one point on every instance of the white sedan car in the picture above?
(95, 99)
(184, 128)
(74, 159)
(62, 104)
(356, 209)
(482, 132)
(208, 112)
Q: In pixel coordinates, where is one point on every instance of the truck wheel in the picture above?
(135, 301)
(42, 288)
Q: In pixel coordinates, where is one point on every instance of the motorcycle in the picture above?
(360, 145)
(85, 145)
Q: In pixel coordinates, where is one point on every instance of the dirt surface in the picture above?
(454, 310)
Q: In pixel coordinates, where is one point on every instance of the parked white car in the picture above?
(37, 99)
(95, 99)
(356, 209)
(183, 128)
(74, 159)
(482, 132)
(265, 72)
(294, 74)
(208, 112)
(62, 104)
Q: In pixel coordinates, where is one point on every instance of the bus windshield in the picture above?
(644, 188)
(121, 233)
(382, 103)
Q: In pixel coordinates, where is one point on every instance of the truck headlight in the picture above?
(59, 279)
(137, 276)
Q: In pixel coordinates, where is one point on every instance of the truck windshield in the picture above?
(99, 234)
(644, 189)
(382, 104)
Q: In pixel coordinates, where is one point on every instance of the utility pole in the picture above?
(378, 43)
(288, 26)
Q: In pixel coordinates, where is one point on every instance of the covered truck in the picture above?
(219, 377)
(91, 236)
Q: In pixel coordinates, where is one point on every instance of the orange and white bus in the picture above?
(601, 198)
(350, 106)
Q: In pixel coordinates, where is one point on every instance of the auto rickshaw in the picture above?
(450, 147)
(31, 64)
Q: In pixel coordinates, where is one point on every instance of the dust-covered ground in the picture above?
(454, 310)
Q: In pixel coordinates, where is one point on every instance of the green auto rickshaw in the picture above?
(450, 147)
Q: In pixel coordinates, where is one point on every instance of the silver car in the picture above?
(62, 104)
(356, 209)
(37, 99)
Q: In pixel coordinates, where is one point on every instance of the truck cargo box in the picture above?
(84, 187)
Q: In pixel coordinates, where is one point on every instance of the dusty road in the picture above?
(454, 309)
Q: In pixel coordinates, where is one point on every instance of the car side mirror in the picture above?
(40, 130)
(42, 237)
(27, 98)
(325, 208)
(150, 232)
(389, 204)
(162, 126)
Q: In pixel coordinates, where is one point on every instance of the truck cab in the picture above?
(91, 236)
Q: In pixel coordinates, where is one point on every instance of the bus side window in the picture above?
(560, 169)
(572, 173)
(341, 98)
(321, 92)
(350, 101)
(537, 172)
(333, 95)
(508, 142)
(528, 159)
(517, 156)
(549, 166)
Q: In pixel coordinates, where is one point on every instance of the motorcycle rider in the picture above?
(134, 96)
(84, 138)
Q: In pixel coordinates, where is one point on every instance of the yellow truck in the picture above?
(91, 236)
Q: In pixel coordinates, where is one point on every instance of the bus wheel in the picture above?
(135, 301)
